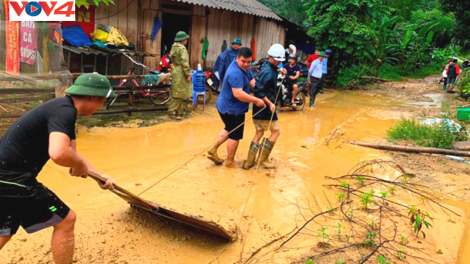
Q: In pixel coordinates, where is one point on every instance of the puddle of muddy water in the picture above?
(139, 157)
(434, 100)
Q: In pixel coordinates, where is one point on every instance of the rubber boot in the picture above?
(251, 159)
(445, 87)
(312, 101)
(266, 148)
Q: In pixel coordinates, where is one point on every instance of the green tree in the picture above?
(444, 24)
(404, 8)
(346, 26)
(461, 10)
(86, 3)
(292, 10)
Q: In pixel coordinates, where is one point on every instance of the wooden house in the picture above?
(216, 20)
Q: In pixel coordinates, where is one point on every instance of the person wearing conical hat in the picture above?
(181, 76)
(47, 132)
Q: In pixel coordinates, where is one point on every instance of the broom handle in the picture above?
(101, 180)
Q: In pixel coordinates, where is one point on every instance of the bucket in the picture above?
(463, 113)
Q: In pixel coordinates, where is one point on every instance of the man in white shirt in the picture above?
(315, 74)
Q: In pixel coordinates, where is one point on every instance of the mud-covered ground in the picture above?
(262, 206)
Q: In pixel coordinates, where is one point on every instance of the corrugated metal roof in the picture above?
(250, 7)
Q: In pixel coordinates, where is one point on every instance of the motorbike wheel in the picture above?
(208, 96)
(300, 101)
(160, 98)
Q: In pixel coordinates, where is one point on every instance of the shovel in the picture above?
(169, 213)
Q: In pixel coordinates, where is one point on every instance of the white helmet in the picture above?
(277, 52)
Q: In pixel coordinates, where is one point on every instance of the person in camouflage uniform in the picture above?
(181, 76)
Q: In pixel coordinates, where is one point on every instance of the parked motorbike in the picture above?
(165, 63)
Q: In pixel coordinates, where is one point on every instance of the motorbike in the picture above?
(165, 63)
(286, 93)
(285, 96)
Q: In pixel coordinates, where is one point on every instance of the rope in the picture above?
(252, 182)
(193, 158)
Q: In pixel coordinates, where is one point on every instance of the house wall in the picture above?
(217, 25)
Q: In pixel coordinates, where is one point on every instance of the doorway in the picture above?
(172, 24)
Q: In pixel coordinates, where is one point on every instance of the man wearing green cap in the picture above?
(47, 132)
(181, 76)
(224, 60)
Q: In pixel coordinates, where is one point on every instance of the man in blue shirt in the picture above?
(232, 105)
(315, 74)
(224, 60)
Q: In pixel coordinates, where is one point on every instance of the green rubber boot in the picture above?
(251, 159)
(266, 148)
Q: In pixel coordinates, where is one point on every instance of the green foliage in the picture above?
(418, 220)
(340, 262)
(361, 180)
(367, 198)
(403, 240)
(401, 254)
(370, 239)
(369, 35)
(384, 194)
(310, 261)
(340, 196)
(462, 16)
(322, 233)
(383, 260)
(86, 3)
(440, 135)
(444, 28)
(464, 84)
(393, 189)
(292, 10)
(346, 26)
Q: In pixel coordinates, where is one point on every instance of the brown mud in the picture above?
(312, 145)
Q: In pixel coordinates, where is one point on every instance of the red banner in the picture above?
(85, 18)
(12, 32)
(28, 42)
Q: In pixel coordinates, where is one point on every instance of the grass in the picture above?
(349, 76)
(436, 136)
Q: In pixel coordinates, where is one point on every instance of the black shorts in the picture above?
(231, 122)
(38, 209)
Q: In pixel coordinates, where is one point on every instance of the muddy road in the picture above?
(109, 231)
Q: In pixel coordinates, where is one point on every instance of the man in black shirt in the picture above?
(46, 132)
(266, 118)
(293, 72)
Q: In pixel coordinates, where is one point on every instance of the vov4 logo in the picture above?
(43, 10)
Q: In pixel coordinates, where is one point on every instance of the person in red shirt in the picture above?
(453, 71)
(312, 58)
